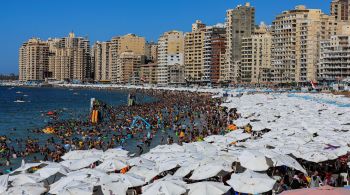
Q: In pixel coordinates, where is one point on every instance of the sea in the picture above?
(25, 108)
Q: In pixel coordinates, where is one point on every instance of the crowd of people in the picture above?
(173, 117)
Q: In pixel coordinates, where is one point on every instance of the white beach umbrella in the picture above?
(167, 148)
(148, 174)
(206, 171)
(3, 183)
(27, 189)
(114, 188)
(251, 182)
(81, 154)
(51, 169)
(238, 135)
(164, 188)
(59, 185)
(115, 153)
(111, 165)
(141, 162)
(76, 188)
(283, 160)
(207, 188)
(255, 160)
(185, 170)
(25, 166)
(129, 180)
(80, 163)
(21, 179)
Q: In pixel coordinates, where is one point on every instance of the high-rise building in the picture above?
(102, 60)
(214, 52)
(340, 9)
(194, 47)
(240, 22)
(127, 70)
(71, 58)
(151, 51)
(170, 52)
(148, 73)
(296, 37)
(256, 56)
(34, 60)
(334, 62)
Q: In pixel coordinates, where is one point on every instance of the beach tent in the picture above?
(251, 182)
(207, 188)
(27, 189)
(324, 190)
(255, 160)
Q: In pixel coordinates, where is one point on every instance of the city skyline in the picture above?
(101, 25)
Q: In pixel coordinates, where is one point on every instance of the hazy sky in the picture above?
(102, 19)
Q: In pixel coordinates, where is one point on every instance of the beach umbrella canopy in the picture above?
(185, 170)
(129, 180)
(115, 153)
(255, 160)
(251, 182)
(144, 172)
(324, 190)
(81, 154)
(25, 166)
(167, 148)
(24, 178)
(167, 187)
(3, 183)
(141, 162)
(79, 164)
(27, 189)
(206, 171)
(51, 169)
(114, 188)
(111, 165)
(208, 188)
(76, 188)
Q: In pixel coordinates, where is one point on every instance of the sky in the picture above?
(100, 20)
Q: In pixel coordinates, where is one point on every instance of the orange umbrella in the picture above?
(325, 190)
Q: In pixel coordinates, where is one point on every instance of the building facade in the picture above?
(240, 22)
(256, 56)
(34, 60)
(340, 9)
(214, 52)
(170, 52)
(102, 61)
(148, 73)
(194, 51)
(296, 37)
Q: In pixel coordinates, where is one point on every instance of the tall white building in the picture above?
(170, 52)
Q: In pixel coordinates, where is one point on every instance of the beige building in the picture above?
(296, 37)
(240, 22)
(177, 74)
(127, 69)
(334, 64)
(148, 73)
(34, 60)
(256, 56)
(170, 51)
(340, 9)
(71, 59)
(194, 50)
(102, 60)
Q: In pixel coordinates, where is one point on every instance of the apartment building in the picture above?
(170, 52)
(240, 22)
(334, 64)
(33, 60)
(340, 9)
(102, 61)
(71, 58)
(214, 53)
(148, 73)
(256, 56)
(194, 51)
(296, 37)
(127, 70)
